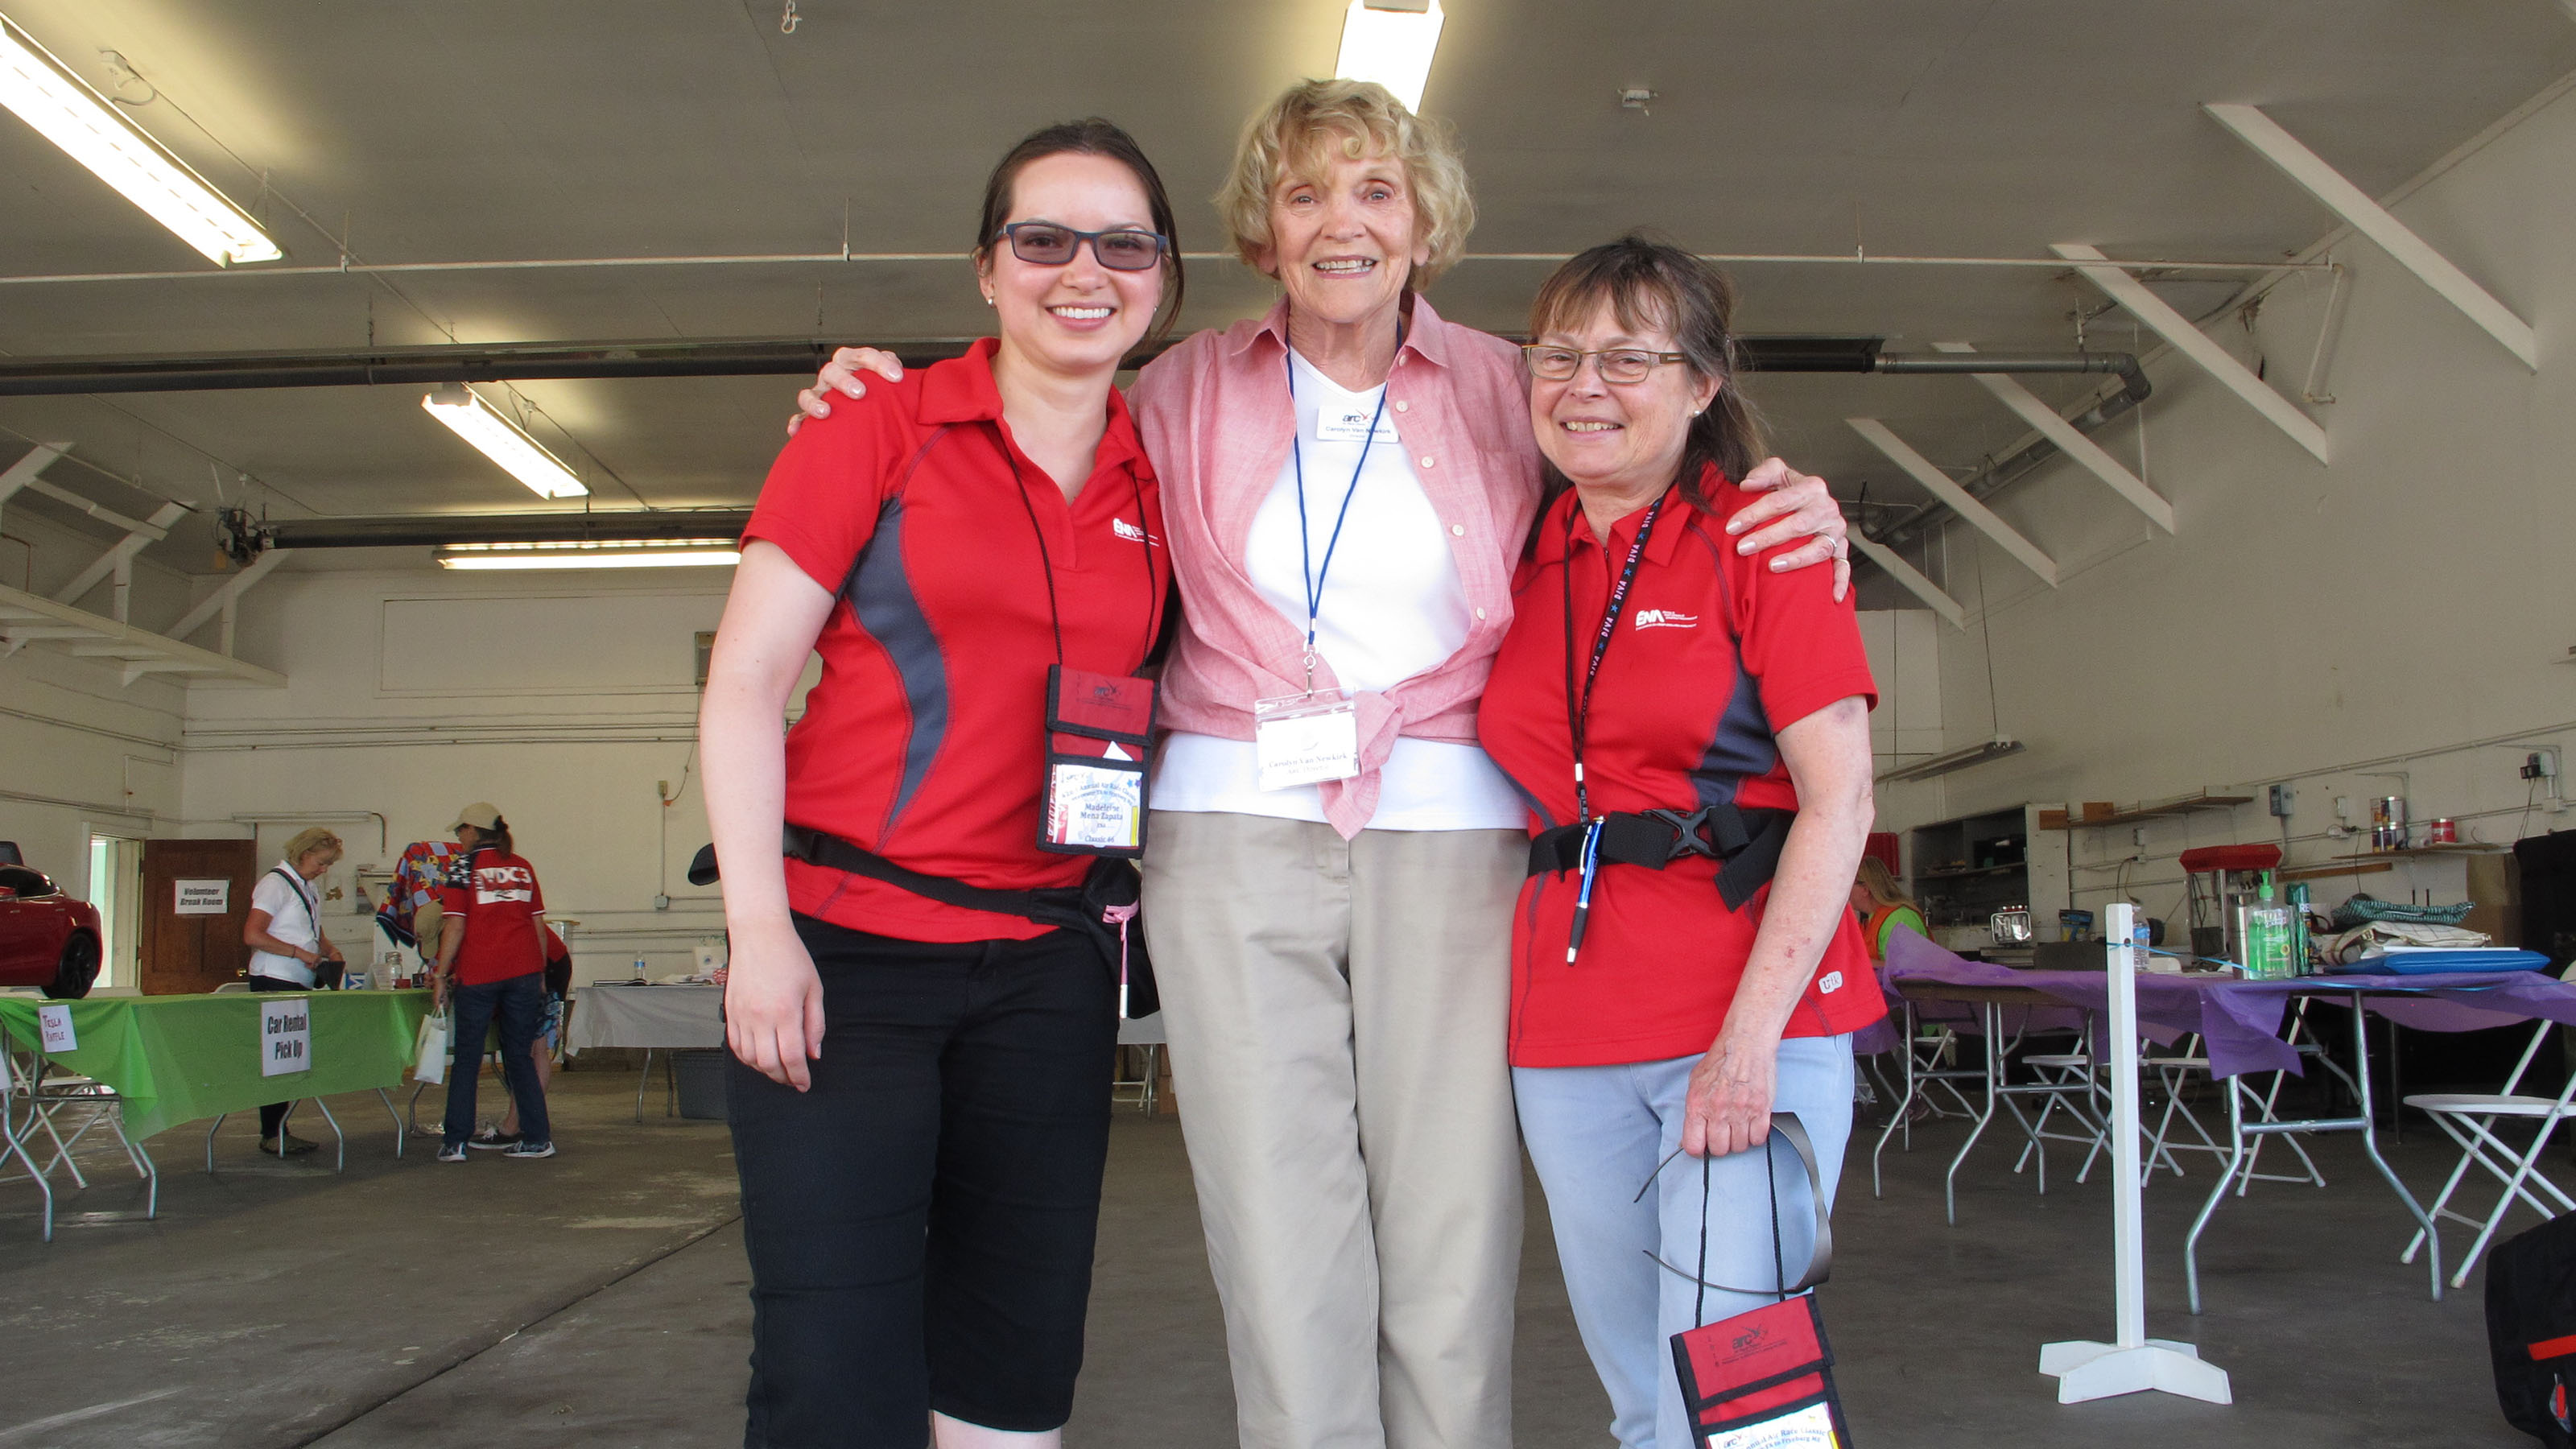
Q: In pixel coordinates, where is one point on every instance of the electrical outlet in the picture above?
(2282, 798)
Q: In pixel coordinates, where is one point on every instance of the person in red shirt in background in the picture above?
(558, 982)
(1691, 732)
(492, 959)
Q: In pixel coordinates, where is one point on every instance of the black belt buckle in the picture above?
(1686, 826)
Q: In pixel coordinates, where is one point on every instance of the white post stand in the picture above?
(2084, 1369)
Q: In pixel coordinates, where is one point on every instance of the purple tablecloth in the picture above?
(2240, 1021)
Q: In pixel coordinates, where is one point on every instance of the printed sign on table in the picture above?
(205, 898)
(55, 1023)
(285, 1035)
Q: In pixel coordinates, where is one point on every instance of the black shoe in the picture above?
(492, 1139)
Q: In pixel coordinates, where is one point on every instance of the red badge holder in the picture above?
(1100, 731)
(1763, 1379)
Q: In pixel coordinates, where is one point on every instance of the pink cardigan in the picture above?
(1216, 419)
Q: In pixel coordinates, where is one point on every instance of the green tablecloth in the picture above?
(178, 1058)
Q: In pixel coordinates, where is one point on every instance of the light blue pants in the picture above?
(1595, 1134)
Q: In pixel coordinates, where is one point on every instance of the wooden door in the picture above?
(187, 945)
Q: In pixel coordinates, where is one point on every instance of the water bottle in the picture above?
(639, 970)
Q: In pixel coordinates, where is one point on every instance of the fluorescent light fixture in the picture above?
(1390, 42)
(661, 553)
(66, 111)
(502, 441)
(1977, 754)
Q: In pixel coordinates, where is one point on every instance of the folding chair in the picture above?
(1921, 1053)
(1145, 1036)
(2080, 1093)
(2470, 1119)
(51, 1092)
(2174, 1073)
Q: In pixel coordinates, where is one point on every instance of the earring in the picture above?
(988, 299)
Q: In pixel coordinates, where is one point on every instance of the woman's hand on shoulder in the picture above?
(773, 1004)
(841, 375)
(1728, 1108)
(1793, 505)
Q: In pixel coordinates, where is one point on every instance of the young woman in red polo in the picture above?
(1691, 732)
(923, 995)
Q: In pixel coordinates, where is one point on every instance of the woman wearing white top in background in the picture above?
(284, 932)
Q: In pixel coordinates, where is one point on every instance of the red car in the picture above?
(47, 939)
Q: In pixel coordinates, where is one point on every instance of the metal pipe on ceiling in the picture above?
(523, 362)
(246, 538)
(781, 259)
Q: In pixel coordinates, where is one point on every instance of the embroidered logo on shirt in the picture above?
(1133, 534)
(1830, 981)
(1666, 619)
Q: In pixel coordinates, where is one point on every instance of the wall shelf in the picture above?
(2162, 810)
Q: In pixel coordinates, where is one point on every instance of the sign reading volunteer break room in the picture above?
(285, 1036)
(205, 898)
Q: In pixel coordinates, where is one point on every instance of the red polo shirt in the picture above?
(499, 900)
(1713, 653)
(924, 741)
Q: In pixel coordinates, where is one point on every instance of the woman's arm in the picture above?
(255, 935)
(1731, 1090)
(1793, 505)
(773, 999)
(841, 375)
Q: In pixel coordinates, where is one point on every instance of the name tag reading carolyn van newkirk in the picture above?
(285, 1035)
(1306, 739)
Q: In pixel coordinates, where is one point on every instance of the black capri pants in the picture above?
(920, 1224)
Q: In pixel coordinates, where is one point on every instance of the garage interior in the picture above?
(2179, 482)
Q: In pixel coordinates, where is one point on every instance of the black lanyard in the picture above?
(1578, 707)
(1046, 562)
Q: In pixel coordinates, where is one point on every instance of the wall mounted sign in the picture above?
(205, 898)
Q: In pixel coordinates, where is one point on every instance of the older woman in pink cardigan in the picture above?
(1331, 859)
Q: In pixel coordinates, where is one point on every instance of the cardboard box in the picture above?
(2100, 810)
(2052, 820)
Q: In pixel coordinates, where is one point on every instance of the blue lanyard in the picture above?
(1309, 575)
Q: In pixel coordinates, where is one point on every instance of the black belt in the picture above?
(1746, 843)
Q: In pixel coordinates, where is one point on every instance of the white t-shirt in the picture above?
(1392, 606)
(292, 918)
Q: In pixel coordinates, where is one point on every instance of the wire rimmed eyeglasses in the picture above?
(1618, 364)
(1120, 249)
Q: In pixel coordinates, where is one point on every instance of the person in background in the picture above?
(411, 909)
(1331, 948)
(492, 959)
(558, 983)
(284, 932)
(1883, 906)
(1691, 731)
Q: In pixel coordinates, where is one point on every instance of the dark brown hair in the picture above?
(496, 838)
(1090, 136)
(1652, 285)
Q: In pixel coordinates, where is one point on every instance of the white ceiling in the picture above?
(459, 130)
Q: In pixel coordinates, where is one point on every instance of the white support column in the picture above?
(2028, 407)
(2132, 1362)
(2195, 344)
(1906, 574)
(221, 601)
(1961, 501)
(2372, 220)
(118, 561)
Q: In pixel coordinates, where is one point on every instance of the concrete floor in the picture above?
(597, 1299)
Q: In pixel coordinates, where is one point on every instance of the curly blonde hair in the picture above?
(1291, 135)
(308, 840)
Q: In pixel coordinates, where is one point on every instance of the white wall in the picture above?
(561, 698)
(2406, 608)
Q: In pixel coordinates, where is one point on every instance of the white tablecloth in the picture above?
(660, 1017)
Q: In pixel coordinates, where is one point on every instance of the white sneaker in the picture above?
(451, 1154)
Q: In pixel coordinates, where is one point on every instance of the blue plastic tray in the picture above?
(2436, 963)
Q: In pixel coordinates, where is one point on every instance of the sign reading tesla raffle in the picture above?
(285, 1035)
(205, 898)
(54, 1025)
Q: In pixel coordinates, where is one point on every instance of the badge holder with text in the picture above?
(1100, 730)
(1763, 1379)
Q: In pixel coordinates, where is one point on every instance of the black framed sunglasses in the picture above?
(1121, 249)
(1618, 365)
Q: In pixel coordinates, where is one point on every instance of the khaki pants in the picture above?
(1337, 1012)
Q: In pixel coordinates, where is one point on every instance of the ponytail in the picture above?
(498, 837)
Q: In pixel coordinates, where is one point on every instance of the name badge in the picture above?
(1349, 423)
(1306, 739)
(1099, 732)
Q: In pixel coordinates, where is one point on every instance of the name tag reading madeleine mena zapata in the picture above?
(1100, 729)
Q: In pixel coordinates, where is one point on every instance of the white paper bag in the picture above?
(431, 1066)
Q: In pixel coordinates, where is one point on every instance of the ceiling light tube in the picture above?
(1391, 42)
(667, 553)
(501, 440)
(65, 110)
(1976, 754)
